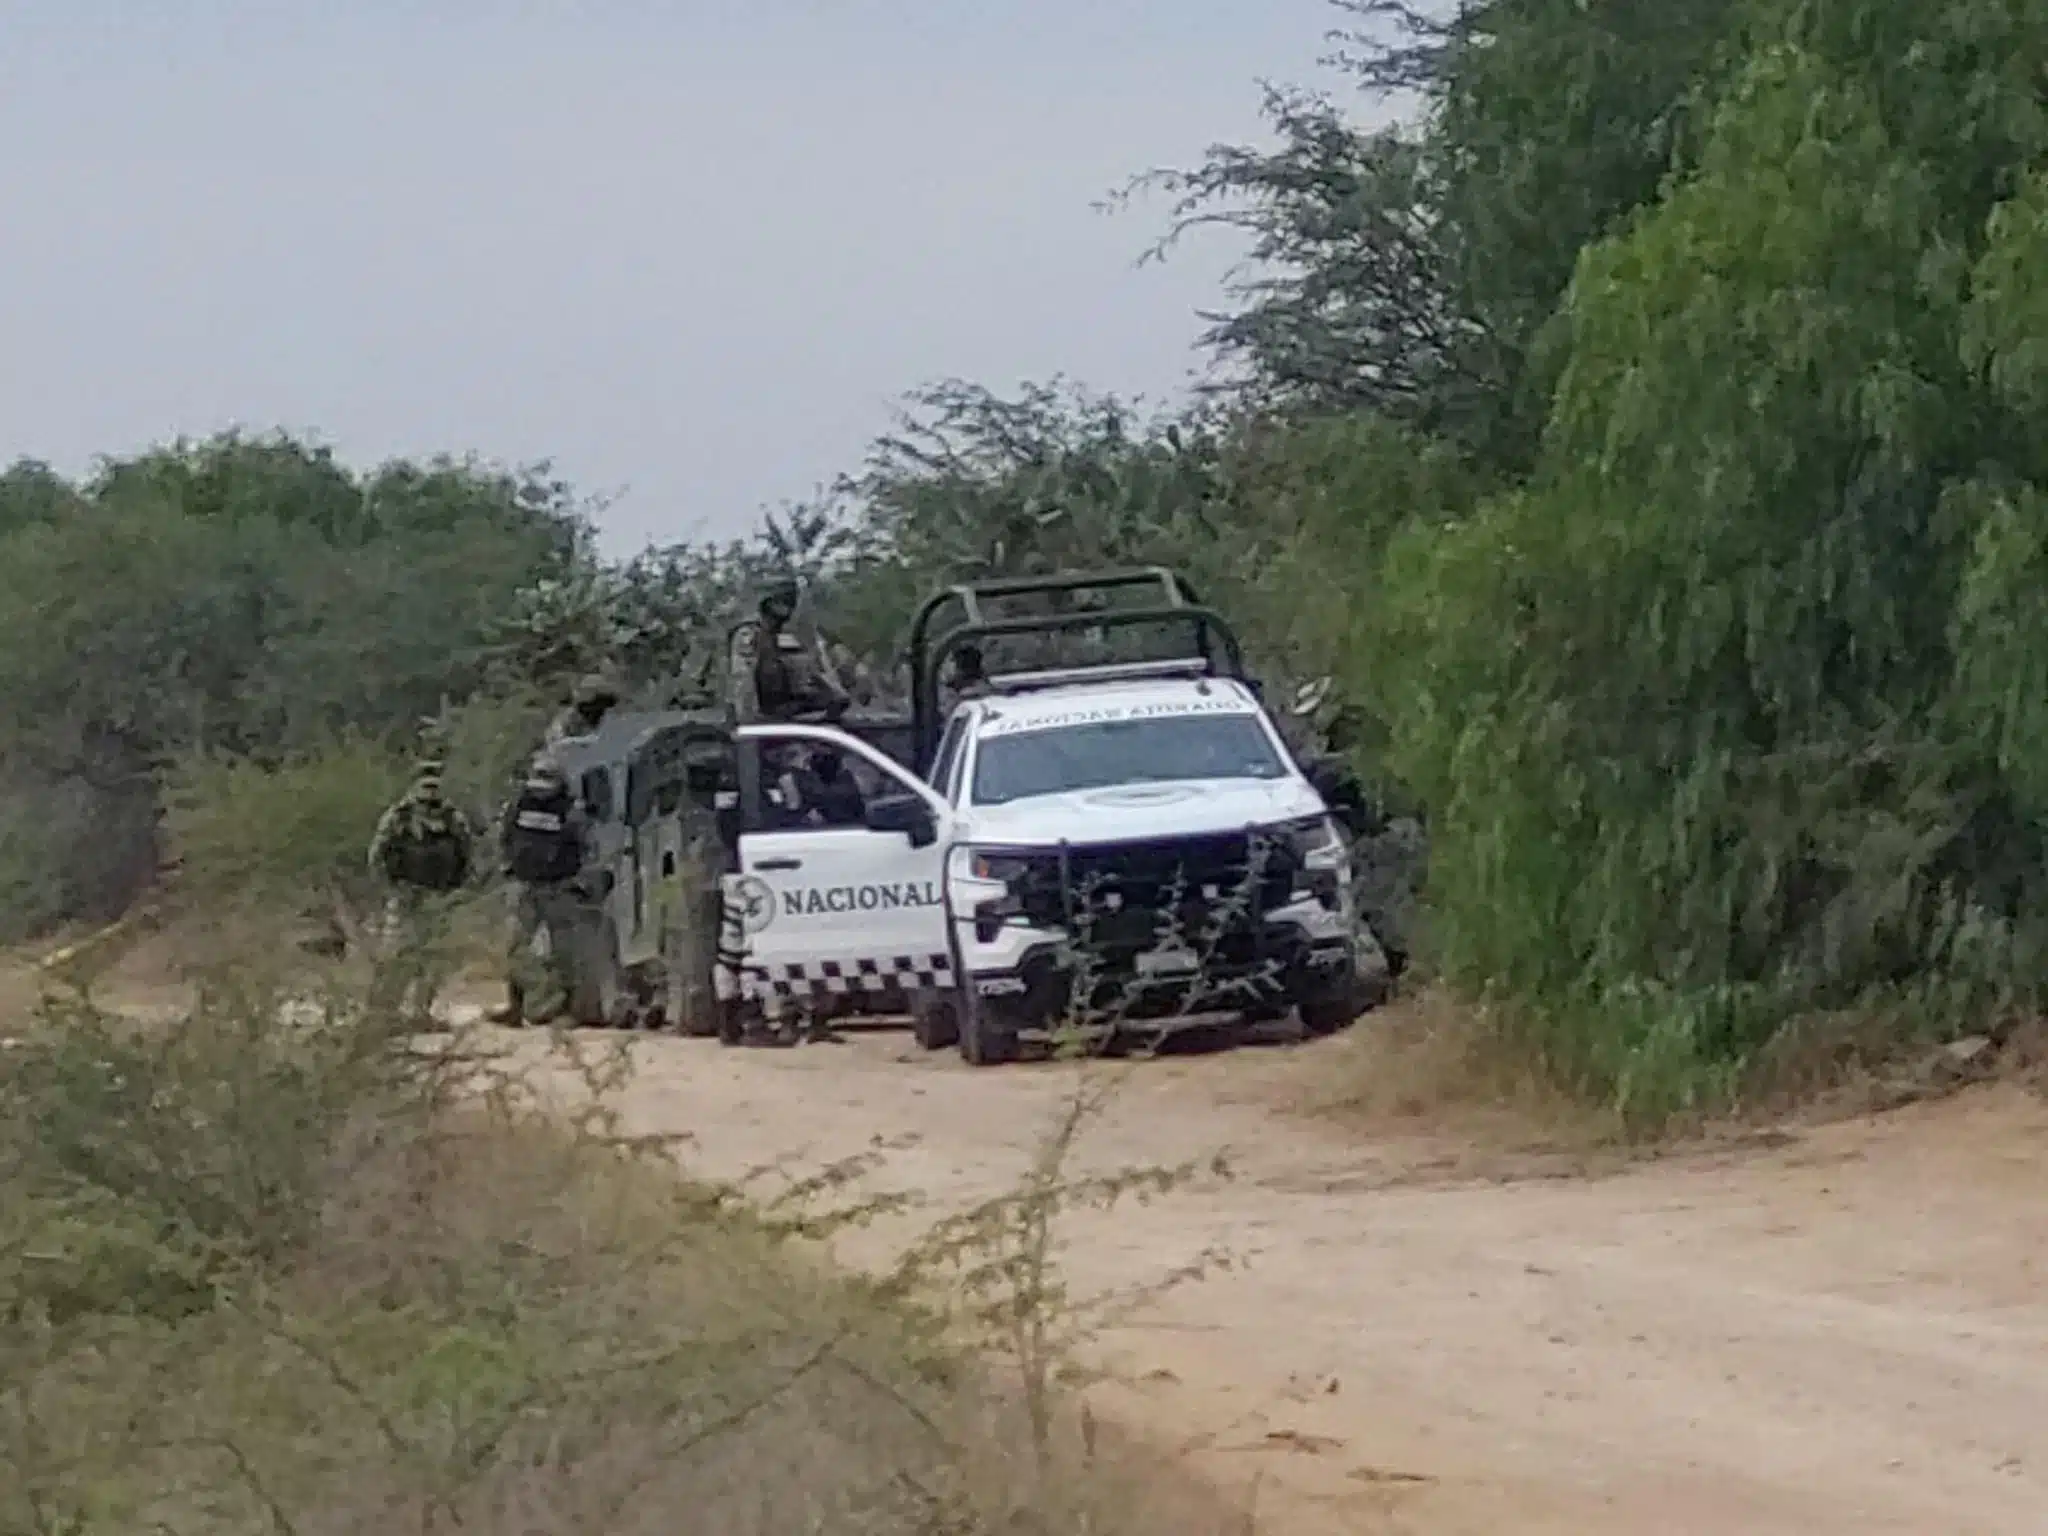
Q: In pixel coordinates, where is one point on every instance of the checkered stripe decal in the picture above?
(837, 978)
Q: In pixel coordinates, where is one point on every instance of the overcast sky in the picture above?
(690, 251)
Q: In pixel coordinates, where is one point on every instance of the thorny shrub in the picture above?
(281, 1268)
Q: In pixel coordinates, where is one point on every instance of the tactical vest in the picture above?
(427, 850)
(542, 842)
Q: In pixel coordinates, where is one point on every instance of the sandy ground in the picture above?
(1840, 1331)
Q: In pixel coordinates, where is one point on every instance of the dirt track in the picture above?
(1843, 1332)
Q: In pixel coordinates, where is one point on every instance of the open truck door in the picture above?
(839, 906)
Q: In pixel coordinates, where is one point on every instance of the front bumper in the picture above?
(1041, 981)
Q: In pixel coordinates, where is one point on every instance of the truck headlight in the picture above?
(987, 884)
(1318, 842)
(1322, 859)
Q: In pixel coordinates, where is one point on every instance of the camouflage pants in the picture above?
(1389, 871)
(540, 980)
(413, 959)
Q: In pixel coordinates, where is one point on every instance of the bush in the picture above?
(70, 852)
(279, 1266)
(264, 1276)
(291, 840)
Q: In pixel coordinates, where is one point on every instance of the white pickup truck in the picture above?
(1109, 847)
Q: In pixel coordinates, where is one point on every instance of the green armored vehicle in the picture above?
(661, 795)
(652, 787)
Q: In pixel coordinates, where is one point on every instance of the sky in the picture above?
(691, 253)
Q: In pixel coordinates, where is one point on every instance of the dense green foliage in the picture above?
(1706, 703)
(236, 596)
(1652, 433)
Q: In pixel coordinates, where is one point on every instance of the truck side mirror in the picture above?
(908, 814)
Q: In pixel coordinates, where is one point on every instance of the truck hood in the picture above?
(1129, 812)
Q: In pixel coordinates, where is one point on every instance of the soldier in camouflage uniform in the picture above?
(968, 675)
(554, 905)
(422, 848)
(595, 697)
(1389, 854)
(770, 676)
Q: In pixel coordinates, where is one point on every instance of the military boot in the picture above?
(511, 1012)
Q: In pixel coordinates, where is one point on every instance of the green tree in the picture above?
(241, 596)
(32, 492)
(1411, 271)
(1682, 705)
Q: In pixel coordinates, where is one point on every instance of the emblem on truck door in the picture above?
(757, 903)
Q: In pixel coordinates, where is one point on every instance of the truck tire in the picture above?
(1341, 1007)
(986, 1038)
(935, 1021)
(732, 1021)
(1327, 1015)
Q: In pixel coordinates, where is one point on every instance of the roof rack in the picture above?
(1172, 591)
(1218, 653)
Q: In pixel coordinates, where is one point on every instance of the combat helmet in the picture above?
(780, 592)
(595, 690)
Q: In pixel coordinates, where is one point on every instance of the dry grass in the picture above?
(1841, 1066)
(1432, 1062)
(293, 1279)
(270, 1263)
(1439, 1081)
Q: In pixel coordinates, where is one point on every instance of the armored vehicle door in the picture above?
(673, 777)
(839, 894)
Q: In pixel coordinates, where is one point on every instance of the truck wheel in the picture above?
(1326, 1015)
(986, 1038)
(935, 1021)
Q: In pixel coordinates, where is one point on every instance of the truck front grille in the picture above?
(1120, 899)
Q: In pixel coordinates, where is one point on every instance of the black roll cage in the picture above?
(1176, 604)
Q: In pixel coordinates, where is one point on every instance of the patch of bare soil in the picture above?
(134, 973)
(1432, 1330)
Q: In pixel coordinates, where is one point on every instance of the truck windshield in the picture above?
(1103, 754)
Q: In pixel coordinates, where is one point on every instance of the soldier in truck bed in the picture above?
(595, 697)
(770, 676)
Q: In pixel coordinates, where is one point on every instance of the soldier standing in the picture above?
(1389, 854)
(543, 839)
(422, 848)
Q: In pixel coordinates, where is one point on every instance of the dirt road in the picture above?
(1846, 1331)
